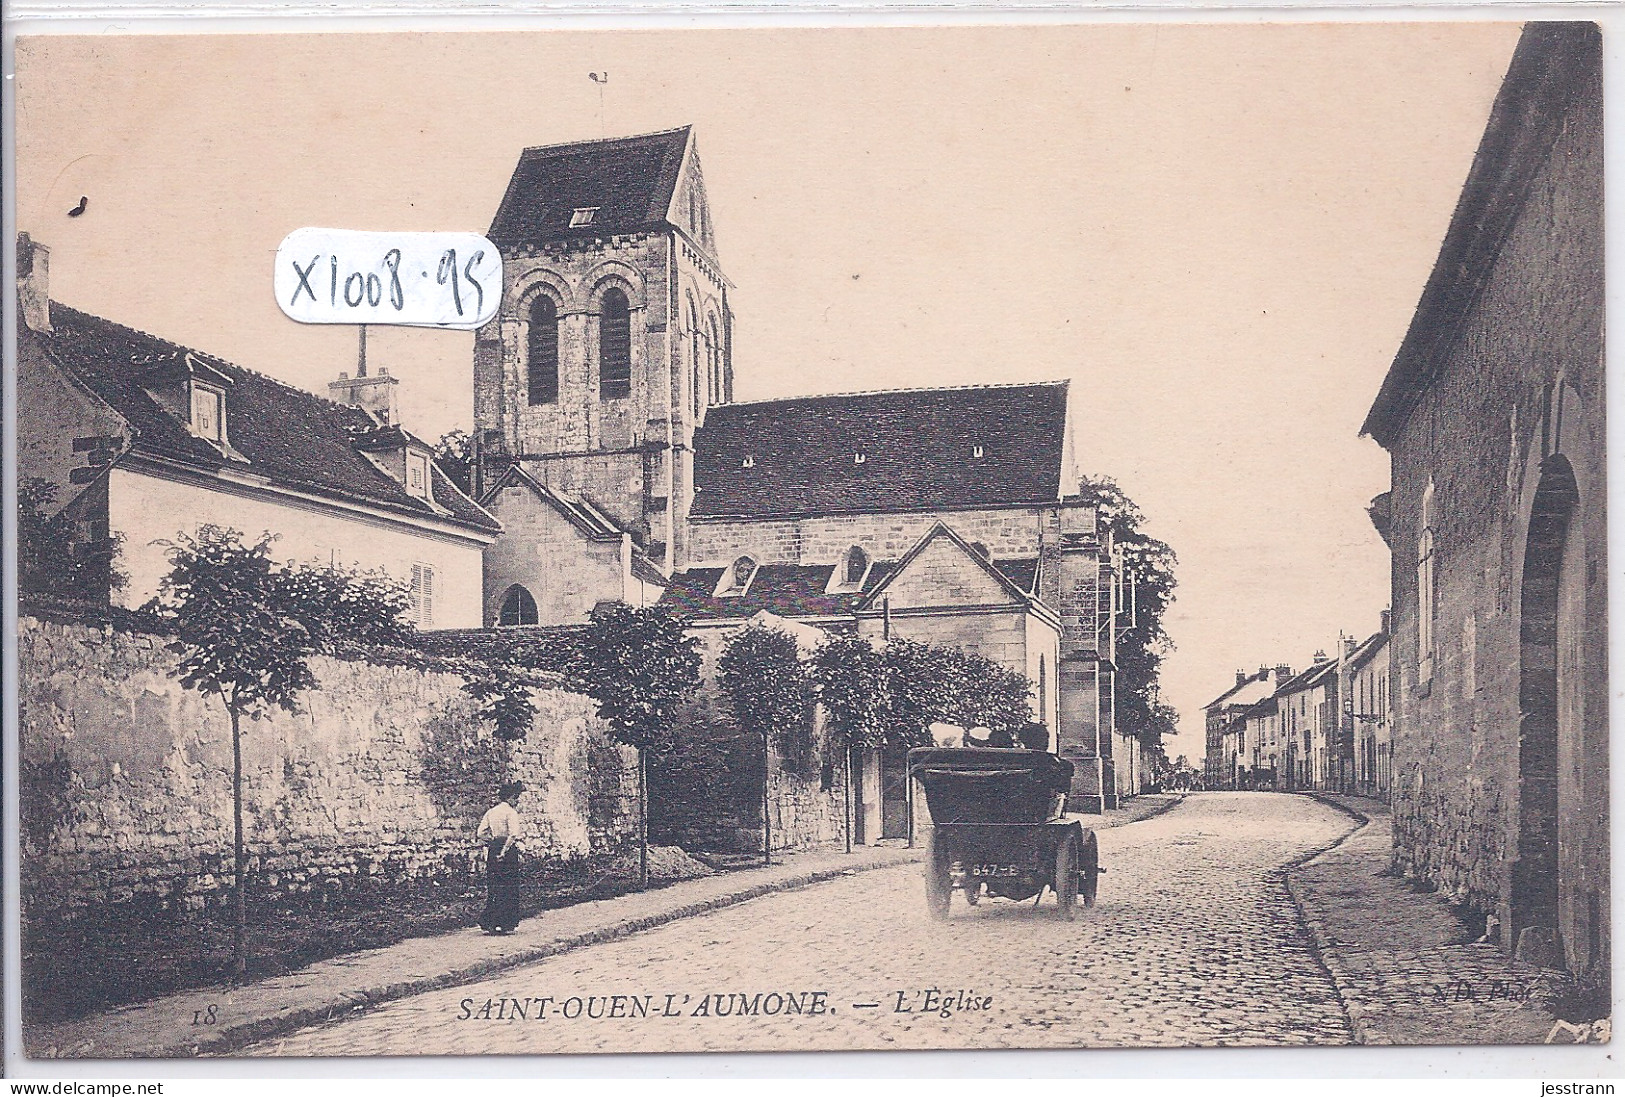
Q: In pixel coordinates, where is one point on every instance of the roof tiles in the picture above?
(628, 182)
(907, 449)
(293, 438)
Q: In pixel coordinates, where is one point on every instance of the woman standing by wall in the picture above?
(501, 829)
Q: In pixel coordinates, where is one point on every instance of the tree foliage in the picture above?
(339, 604)
(505, 701)
(640, 666)
(770, 690)
(891, 695)
(854, 684)
(237, 635)
(454, 453)
(1149, 563)
(921, 691)
(984, 694)
(52, 557)
(246, 629)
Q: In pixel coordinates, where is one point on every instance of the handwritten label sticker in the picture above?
(416, 279)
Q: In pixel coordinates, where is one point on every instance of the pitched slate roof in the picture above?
(593, 523)
(1023, 572)
(1368, 650)
(1231, 695)
(630, 180)
(788, 590)
(917, 446)
(797, 590)
(1265, 707)
(1307, 679)
(293, 438)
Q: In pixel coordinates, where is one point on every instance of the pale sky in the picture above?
(1217, 232)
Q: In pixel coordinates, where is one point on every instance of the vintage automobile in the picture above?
(997, 826)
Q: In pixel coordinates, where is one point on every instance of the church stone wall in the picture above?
(825, 539)
(542, 551)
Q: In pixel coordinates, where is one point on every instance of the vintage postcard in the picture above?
(1051, 536)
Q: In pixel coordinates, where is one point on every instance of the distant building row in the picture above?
(1327, 727)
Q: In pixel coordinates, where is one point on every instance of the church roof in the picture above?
(788, 590)
(293, 438)
(799, 590)
(901, 450)
(627, 181)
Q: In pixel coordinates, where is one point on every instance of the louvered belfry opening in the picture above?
(615, 346)
(543, 351)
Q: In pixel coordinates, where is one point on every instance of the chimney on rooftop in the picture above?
(1241, 677)
(378, 395)
(1321, 656)
(1282, 672)
(34, 282)
(1387, 622)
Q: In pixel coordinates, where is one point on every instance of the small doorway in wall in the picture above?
(893, 793)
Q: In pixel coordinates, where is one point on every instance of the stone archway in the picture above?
(1544, 718)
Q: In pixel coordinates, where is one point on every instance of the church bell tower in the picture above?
(614, 334)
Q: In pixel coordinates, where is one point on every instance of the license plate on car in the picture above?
(995, 870)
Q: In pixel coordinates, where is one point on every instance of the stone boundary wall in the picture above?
(126, 776)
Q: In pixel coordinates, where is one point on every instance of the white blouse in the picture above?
(501, 821)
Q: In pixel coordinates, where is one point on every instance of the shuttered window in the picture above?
(423, 595)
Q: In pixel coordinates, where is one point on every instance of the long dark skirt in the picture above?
(502, 887)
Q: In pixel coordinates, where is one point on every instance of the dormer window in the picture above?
(583, 216)
(417, 474)
(748, 463)
(857, 565)
(850, 573)
(978, 452)
(859, 458)
(209, 413)
(736, 579)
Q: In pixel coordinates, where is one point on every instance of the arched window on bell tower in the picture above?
(693, 334)
(542, 351)
(614, 346)
(713, 361)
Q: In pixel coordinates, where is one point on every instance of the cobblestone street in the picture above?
(1194, 941)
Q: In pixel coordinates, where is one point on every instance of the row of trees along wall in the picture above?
(791, 702)
(379, 776)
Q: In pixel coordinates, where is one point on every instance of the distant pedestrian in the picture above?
(501, 828)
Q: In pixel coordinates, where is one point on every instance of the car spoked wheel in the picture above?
(1066, 877)
(939, 884)
(1089, 870)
